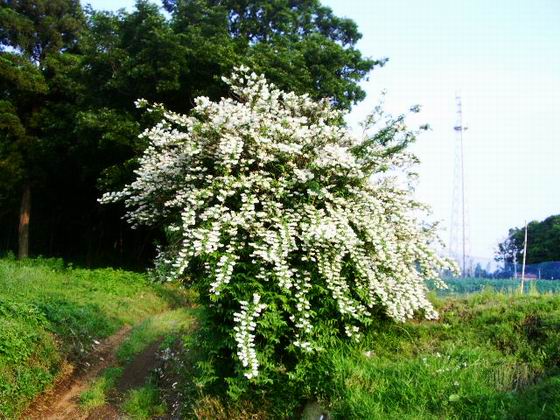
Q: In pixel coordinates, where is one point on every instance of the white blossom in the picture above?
(271, 179)
(244, 336)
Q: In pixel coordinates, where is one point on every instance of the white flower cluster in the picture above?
(244, 336)
(271, 180)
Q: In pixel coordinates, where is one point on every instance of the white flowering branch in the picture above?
(271, 181)
(245, 326)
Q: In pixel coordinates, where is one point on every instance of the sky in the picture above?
(503, 58)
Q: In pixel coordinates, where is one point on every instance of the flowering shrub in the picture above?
(291, 228)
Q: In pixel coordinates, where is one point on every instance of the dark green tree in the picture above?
(32, 33)
(299, 45)
(142, 54)
(69, 127)
(543, 243)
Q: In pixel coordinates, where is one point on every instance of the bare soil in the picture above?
(61, 401)
(137, 371)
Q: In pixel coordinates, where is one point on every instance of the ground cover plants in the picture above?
(489, 356)
(50, 314)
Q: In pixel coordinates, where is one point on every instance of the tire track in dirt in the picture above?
(61, 402)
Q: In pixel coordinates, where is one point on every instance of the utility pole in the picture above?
(524, 259)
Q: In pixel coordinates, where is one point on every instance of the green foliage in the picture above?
(29, 356)
(41, 27)
(539, 401)
(22, 330)
(490, 356)
(33, 36)
(300, 46)
(96, 394)
(485, 353)
(69, 79)
(141, 54)
(21, 84)
(543, 242)
(231, 181)
(49, 312)
(153, 329)
(143, 403)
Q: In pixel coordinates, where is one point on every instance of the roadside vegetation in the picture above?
(490, 355)
(51, 313)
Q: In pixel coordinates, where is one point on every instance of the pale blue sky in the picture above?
(503, 56)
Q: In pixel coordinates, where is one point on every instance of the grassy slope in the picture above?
(49, 313)
(490, 356)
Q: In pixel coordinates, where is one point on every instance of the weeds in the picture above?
(487, 353)
(151, 330)
(143, 403)
(49, 312)
(96, 395)
(490, 356)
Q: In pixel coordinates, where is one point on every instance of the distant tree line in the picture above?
(69, 77)
(543, 249)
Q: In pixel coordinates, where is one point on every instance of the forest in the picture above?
(70, 76)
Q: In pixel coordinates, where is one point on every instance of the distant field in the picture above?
(458, 286)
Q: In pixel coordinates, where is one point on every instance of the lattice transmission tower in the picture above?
(459, 241)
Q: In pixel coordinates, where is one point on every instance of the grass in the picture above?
(143, 403)
(49, 313)
(96, 395)
(163, 326)
(152, 329)
(490, 356)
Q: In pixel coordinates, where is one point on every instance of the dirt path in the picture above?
(61, 402)
(138, 370)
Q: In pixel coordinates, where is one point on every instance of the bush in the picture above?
(292, 231)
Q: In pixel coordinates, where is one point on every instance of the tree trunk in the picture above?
(24, 215)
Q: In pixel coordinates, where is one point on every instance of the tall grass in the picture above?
(490, 356)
